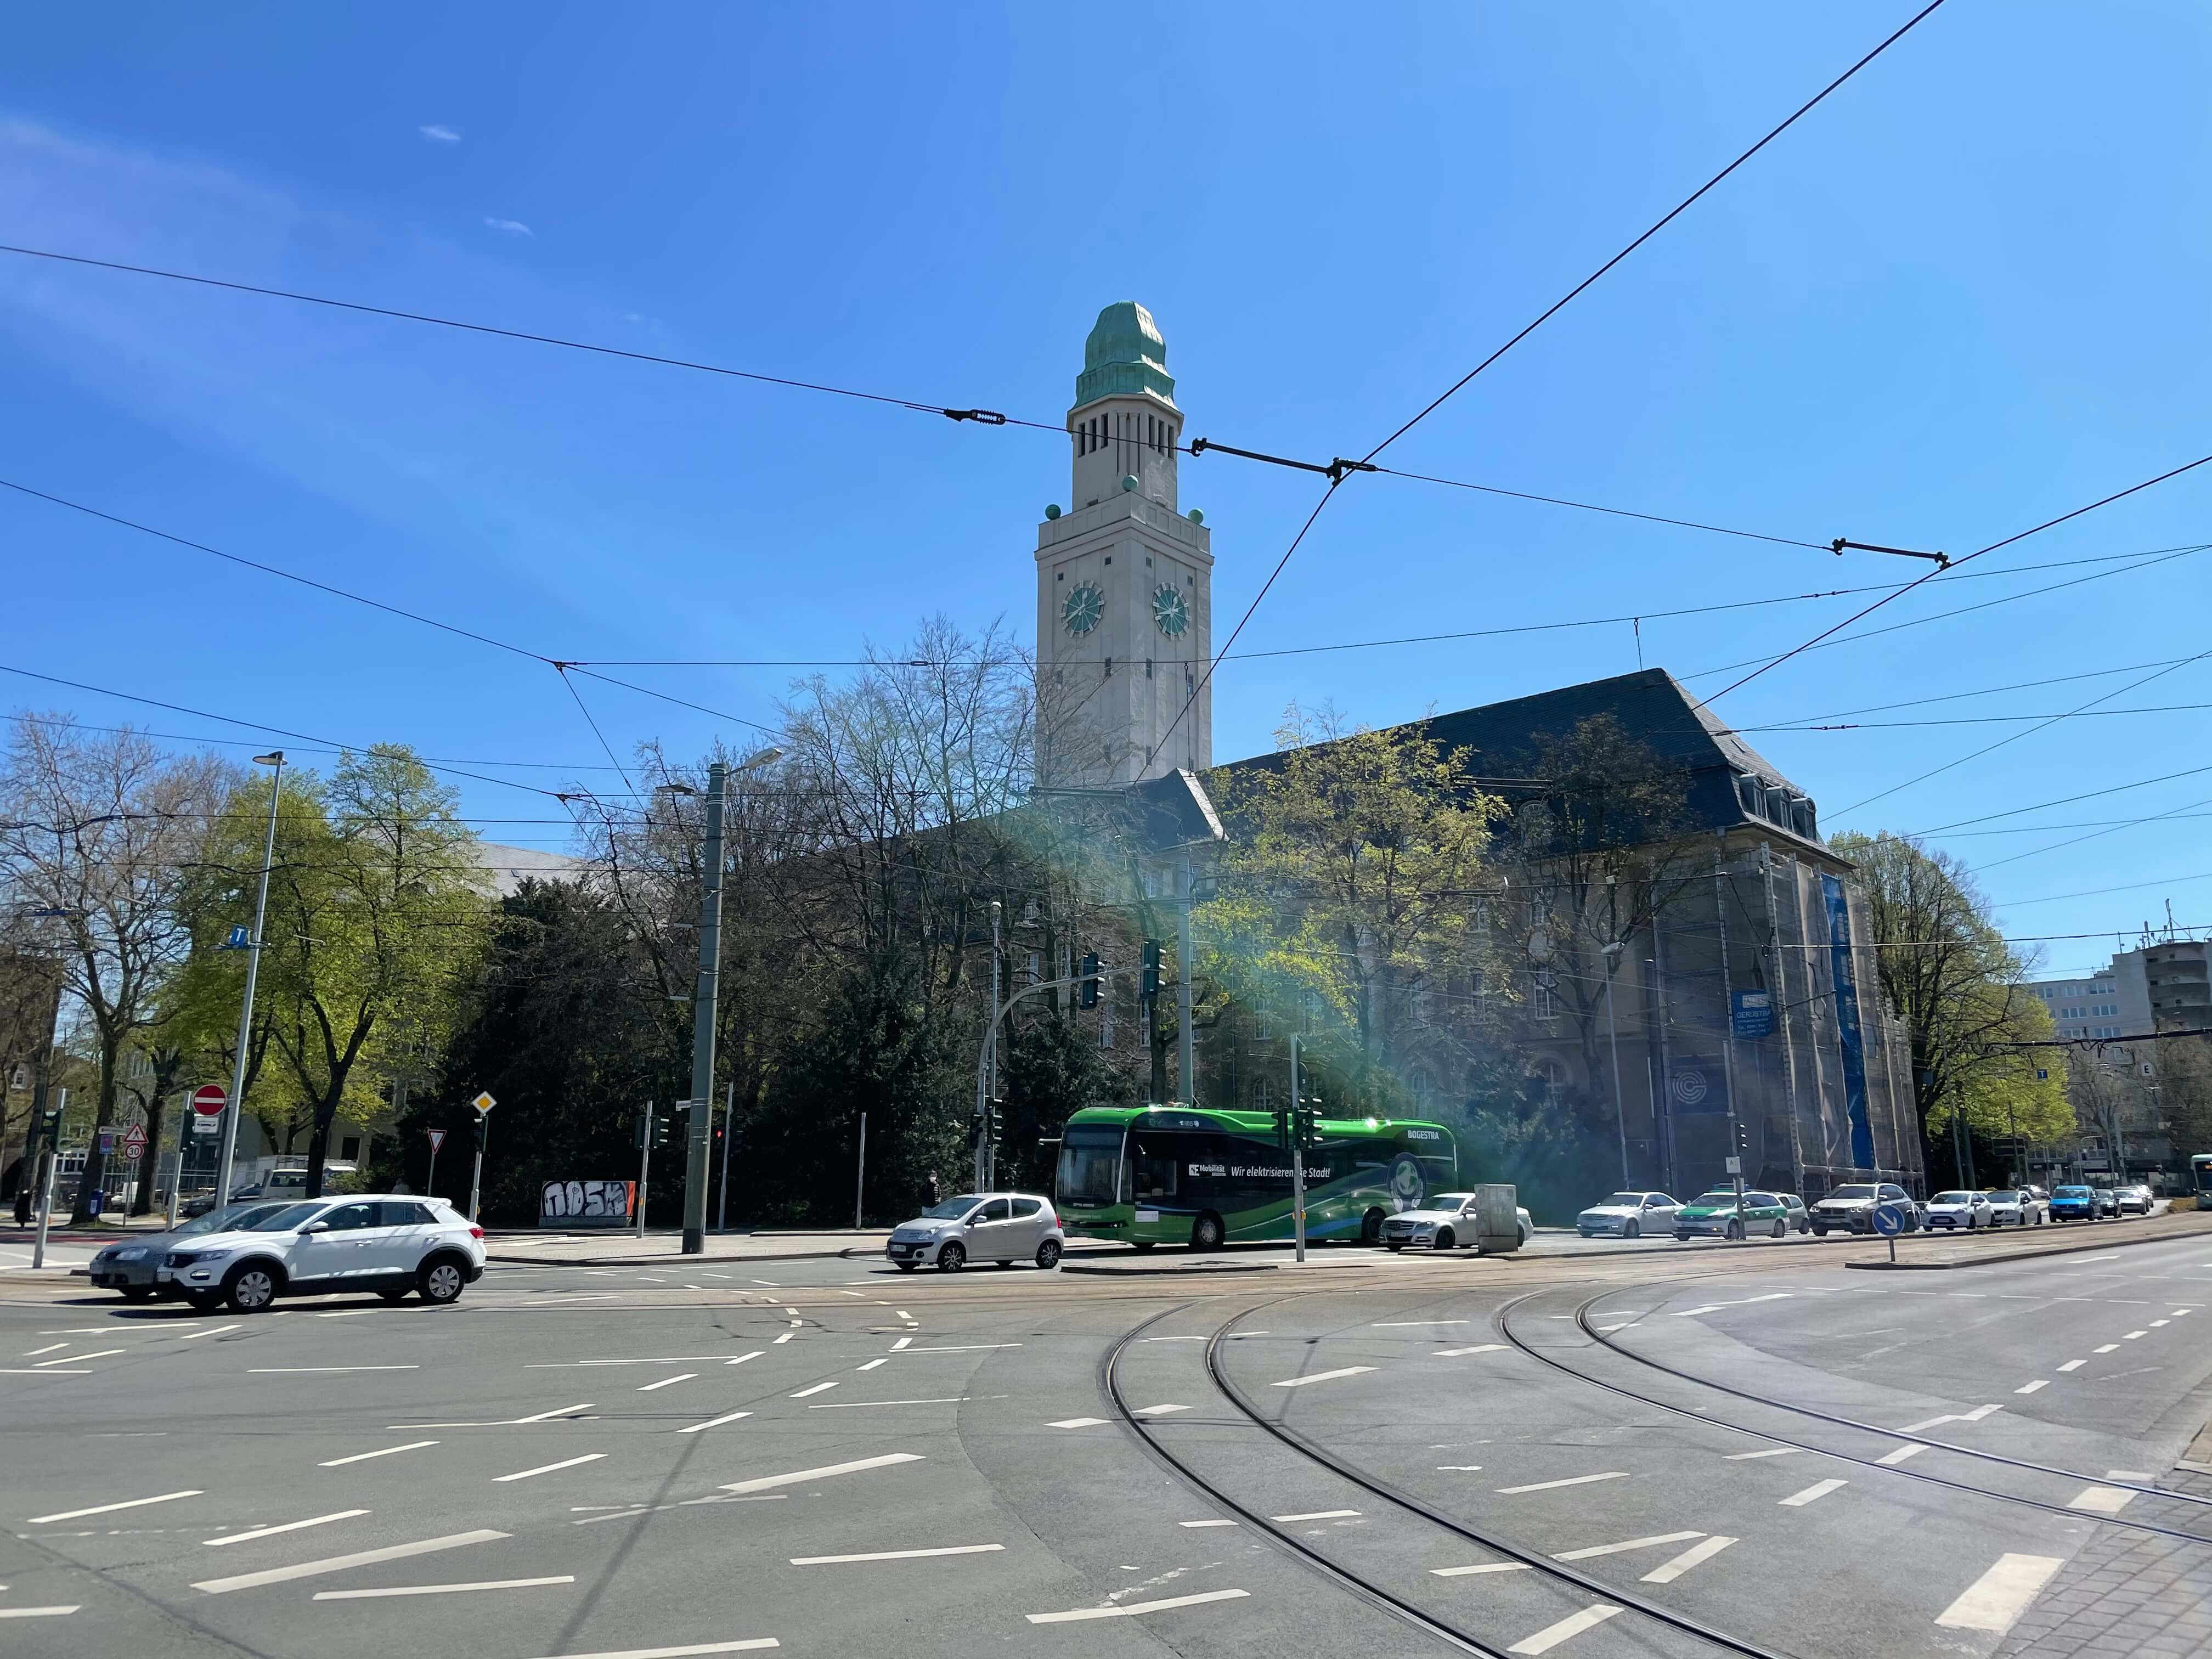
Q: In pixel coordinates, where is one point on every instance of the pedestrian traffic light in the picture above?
(1090, 995)
(1149, 986)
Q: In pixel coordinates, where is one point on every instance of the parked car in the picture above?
(389, 1244)
(1852, 1207)
(1800, 1217)
(1718, 1212)
(2074, 1203)
(1446, 1222)
(1001, 1227)
(2018, 1206)
(132, 1265)
(1629, 1214)
(1959, 1209)
(2132, 1200)
(2108, 1201)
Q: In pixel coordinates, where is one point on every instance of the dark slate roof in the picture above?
(1652, 707)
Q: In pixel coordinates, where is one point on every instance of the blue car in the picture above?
(2073, 1204)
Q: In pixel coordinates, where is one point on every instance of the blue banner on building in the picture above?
(1847, 1021)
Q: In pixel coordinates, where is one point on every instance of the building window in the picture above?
(1543, 996)
(1421, 1084)
(349, 1149)
(1263, 1094)
(1553, 1074)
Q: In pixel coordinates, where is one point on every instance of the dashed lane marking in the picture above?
(1667, 1571)
(1572, 1626)
(2031, 1388)
(441, 1590)
(713, 1422)
(1322, 1377)
(49, 1348)
(1483, 1566)
(209, 1330)
(548, 1468)
(666, 1381)
(1813, 1494)
(2073, 1365)
(1625, 1545)
(872, 1363)
(386, 1451)
(799, 1477)
(288, 1526)
(342, 1563)
(34, 1612)
(784, 1338)
(1193, 1525)
(2000, 1594)
(1769, 1451)
(1135, 1607)
(2109, 1347)
(79, 1358)
(1479, 1348)
(1076, 1423)
(819, 1387)
(304, 1370)
(1158, 1410)
(1572, 1480)
(109, 1508)
(1973, 1416)
(896, 1555)
(2101, 1500)
(1891, 1460)
(748, 1645)
(1318, 1514)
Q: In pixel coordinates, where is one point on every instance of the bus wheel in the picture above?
(1371, 1227)
(1205, 1232)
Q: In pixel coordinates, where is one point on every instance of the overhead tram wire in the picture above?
(2037, 530)
(1806, 721)
(1338, 472)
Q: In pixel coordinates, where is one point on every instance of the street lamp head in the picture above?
(274, 758)
(766, 756)
(674, 789)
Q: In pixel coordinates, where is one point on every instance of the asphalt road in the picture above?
(838, 1459)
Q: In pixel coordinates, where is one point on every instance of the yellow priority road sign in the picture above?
(483, 1102)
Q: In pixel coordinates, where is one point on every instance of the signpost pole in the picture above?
(437, 1137)
(1297, 1157)
(861, 1180)
(51, 1137)
(644, 1161)
(237, 1101)
(484, 1103)
(722, 1199)
(184, 1115)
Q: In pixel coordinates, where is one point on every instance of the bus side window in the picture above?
(1158, 1161)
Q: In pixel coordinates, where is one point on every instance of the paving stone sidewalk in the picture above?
(2129, 1592)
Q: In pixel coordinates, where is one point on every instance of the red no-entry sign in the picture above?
(210, 1098)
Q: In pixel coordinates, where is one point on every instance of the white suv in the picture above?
(331, 1246)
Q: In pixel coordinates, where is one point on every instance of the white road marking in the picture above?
(1396, 1324)
(1322, 1377)
(1479, 1348)
(288, 1526)
(1135, 1607)
(746, 1646)
(799, 1477)
(872, 1363)
(817, 1388)
(1158, 1410)
(49, 1348)
(1572, 1480)
(34, 1612)
(963, 1348)
(896, 1555)
(341, 1563)
(79, 1358)
(1652, 1542)
(2129, 1475)
(1667, 1571)
(2000, 1595)
(900, 1343)
(1194, 1524)
(2101, 1500)
(1813, 1494)
(547, 1417)
(363, 1457)
(1076, 1423)
(715, 1422)
(870, 1405)
(1458, 1468)
(1318, 1514)
(742, 1358)
(1769, 1451)
(2180, 1313)
(548, 1468)
(1487, 1567)
(2073, 1365)
(348, 1313)
(2029, 1387)
(2110, 1347)
(1891, 1460)
(1573, 1624)
(1973, 1416)
(666, 1381)
(793, 1312)
(784, 1338)
(440, 1589)
(209, 1330)
(303, 1371)
(2112, 1256)
(109, 1509)
(654, 1360)
(2155, 1323)
(2129, 1336)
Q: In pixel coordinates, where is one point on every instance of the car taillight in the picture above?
(475, 1232)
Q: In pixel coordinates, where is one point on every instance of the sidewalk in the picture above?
(622, 1248)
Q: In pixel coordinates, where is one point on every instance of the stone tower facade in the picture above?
(1125, 603)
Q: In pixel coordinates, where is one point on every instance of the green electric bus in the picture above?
(1177, 1175)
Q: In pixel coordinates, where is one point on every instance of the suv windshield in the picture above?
(952, 1209)
(1852, 1191)
(283, 1219)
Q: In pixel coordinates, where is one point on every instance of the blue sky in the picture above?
(1965, 296)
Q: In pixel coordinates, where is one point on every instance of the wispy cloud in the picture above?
(510, 227)
(438, 134)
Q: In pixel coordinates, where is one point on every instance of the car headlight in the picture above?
(132, 1252)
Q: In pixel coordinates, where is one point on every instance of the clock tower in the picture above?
(1125, 611)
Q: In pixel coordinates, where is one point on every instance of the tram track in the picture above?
(1362, 1585)
(1502, 1321)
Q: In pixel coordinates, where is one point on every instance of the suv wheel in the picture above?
(250, 1287)
(1047, 1255)
(951, 1257)
(442, 1279)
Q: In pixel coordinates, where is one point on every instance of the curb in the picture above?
(669, 1260)
(1067, 1266)
(2099, 1243)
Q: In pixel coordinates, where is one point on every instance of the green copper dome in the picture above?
(1125, 355)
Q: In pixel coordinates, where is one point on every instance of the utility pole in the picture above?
(1297, 1154)
(1186, 1038)
(861, 1179)
(729, 1134)
(1612, 953)
(699, 1125)
(236, 1104)
(644, 1161)
(987, 1070)
(1736, 1137)
(49, 1141)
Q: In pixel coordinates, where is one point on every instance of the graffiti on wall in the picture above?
(586, 1203)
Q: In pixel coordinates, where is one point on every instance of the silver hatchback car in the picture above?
(1001, 1227)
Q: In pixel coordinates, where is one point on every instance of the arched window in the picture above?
(1553, 1073)
(1421, 1087)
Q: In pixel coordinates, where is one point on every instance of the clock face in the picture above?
(1083, 608)
(1170, 610)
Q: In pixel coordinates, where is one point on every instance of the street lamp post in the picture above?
(236, 1103)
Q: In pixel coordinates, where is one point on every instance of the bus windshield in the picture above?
(1090, 1164)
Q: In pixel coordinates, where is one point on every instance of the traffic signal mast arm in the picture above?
(991, 1030)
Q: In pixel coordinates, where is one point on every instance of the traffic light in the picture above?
(995, 1121)
(1090, 995)
(1304, 1126)
(1282, 1113)
(1149, 986)
(50, 1125)
(1742, 1139)
(651, 1130)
